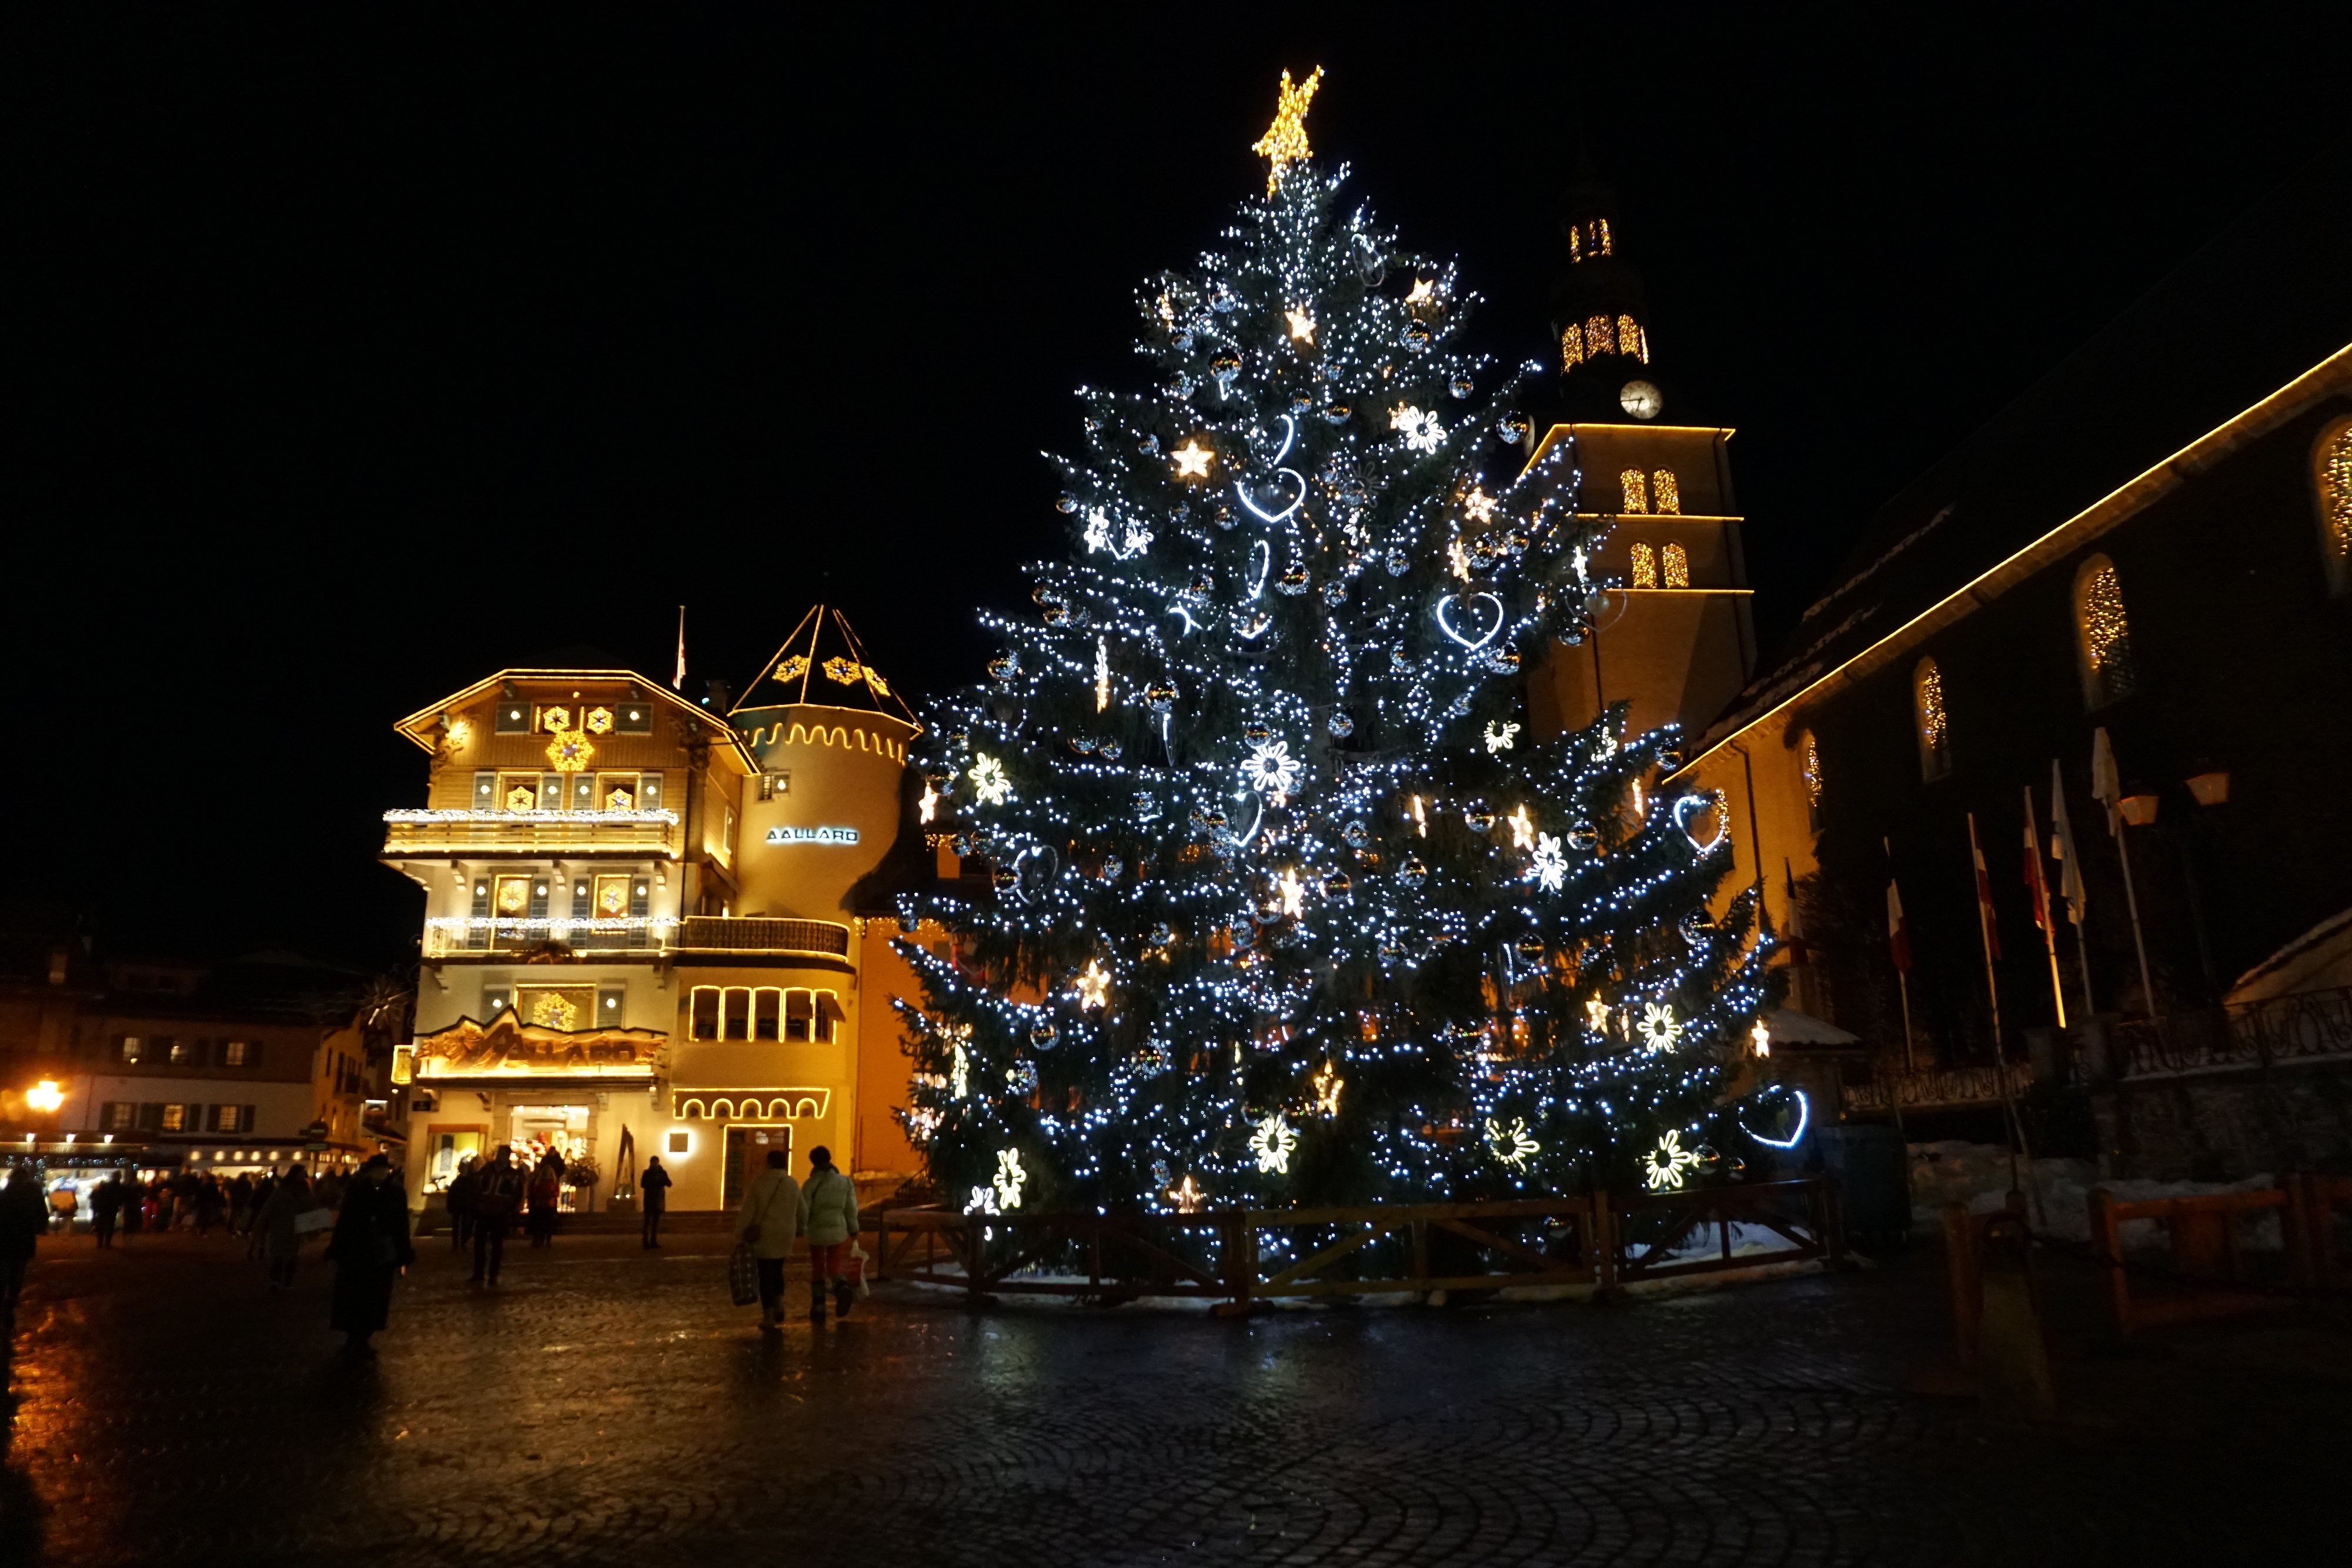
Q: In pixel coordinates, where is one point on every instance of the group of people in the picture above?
(825, 1211)
(199, 1202)
(485, 1200)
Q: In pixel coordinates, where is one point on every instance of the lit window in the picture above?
(1598, 338)
(1575, 244)
(1629, 337)
(1665, 492)
(1677, 566)
(120, 1116)
(1601, 243)
(1927, 708)
(2332, 481)
(228, 1119)
(2102, 634)
(175, 1119)
(1636, 491)
(233, 1053)
(130, 1048)
(1571, 349)
(1809, 767)
(1646, 568)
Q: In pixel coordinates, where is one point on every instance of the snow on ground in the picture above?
(1979, 1176)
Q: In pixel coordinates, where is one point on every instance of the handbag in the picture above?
(855, 1272)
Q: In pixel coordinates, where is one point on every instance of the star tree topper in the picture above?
(1285, 142)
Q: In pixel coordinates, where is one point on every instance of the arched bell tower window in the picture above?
(1809, 769)
(1929, 721)
(2331, 484)
(1571, 347)
(1629, 342)
(1646, 568)
(2102, 634)
(1665, 493)
(1675, 563)
(1635, 491)
(1599, 338)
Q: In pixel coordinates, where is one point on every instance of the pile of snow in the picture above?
(1977, 1174)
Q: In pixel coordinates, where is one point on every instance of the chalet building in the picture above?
(2147, 555)
(647, 925)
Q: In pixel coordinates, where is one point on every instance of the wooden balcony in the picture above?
(533, 833)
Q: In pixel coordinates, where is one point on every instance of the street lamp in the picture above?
(2211, 789)
(46, 1097)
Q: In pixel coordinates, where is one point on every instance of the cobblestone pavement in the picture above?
(608, 1407)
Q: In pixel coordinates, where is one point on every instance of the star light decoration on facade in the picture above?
(988, 781)
(1093, 984)
(1302, 325)
(1523, 829)
(1269, 768)
(1285, 142)
(1421, 430)
(1668, 1161)
(1192, 460)
(1658, 1029)
(1512, 1146)
(1498, 736)
(1271, 1144)
(1549, 868)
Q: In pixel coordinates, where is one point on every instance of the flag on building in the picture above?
(2036, 888)
(2063, 848)
(1984, 893)
(677, 681)
(1898, 931)
(2106, 784)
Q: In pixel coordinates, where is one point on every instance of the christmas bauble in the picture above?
(1358, 834)
(1399, 661)
(1461, 387)
(1043, 1036)
(1292, 582)
(1159, 698)
(1338, 414)
(1335, 593)
(1066, 504)
(1582, 837)
(1414, 873)
(1478, 818)
(1397, 563)
(1337, 884)
(1256, 734)
(1341, 725)
(909, 923)
(1530, 947)
(1162, 935)
(1083, 745)
(1107, 750)
(1512, 427)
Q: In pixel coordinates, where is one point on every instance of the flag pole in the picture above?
(2068, 856)
(1899, 945)
(1992, 989)
(2040, 890)
(2106, 784)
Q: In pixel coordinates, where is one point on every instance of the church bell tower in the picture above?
(1675, 636)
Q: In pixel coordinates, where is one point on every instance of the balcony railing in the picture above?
(447, 936)
(2287, 1028)
(458, 832)
(750, 934)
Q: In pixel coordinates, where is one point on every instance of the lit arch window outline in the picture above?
(2331, 492)
(1673, 565)
(1628, 339)
(2102, 634)
(1633, 492)
(1571, 347)
(1645, 566)
(1666, 492)
(1600, 337)
(1930, 720)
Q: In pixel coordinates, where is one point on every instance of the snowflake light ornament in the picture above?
(1009, 1179)
(1270, 768)
(983, 1201)
(1658, 1029)
(1512, 1146)
(988, 781)
(960, 1069)
(1421, 431)
(1549, 868)
(1668, 1161)
(1499, 735)
(1271, 1144)
(1098, 534)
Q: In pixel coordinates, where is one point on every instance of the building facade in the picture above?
(647, 926)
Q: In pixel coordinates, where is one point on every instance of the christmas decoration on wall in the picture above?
(1292, 835)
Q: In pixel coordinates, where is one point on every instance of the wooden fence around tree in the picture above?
(1237, 1256)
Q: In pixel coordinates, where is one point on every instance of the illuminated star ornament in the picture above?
(1668, 1161)
(1093, 984)
(1658, 1029)
(1271, 1144)
(1187, 1197)
(1423, 292)
(1596, 1015)
(1192, 460)
(988, 781)
(1512, 1146)
(1478, 506)
(1523, 829)
(1285, 142)
(1302, 325)
(930, 804)
(1760, 1038)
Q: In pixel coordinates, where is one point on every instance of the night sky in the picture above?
(353, 365)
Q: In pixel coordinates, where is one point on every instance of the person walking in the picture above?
(259, 1201)
(210, 1202)
(769, 1216)
(546, 1192)
(496, 1202)
(273, 1226)
(241, 1203)
(653, 1192)
(829, 1219)
(459, 1198)
(105, 1207)
(369, 1250)
(24, 1215)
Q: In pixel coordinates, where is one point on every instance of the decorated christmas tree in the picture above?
(1290, 900)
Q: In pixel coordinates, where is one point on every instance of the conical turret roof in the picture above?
(822, 665)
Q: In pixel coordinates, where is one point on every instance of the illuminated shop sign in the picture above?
(811, 835)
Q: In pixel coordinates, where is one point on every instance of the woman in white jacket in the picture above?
(769, 1220)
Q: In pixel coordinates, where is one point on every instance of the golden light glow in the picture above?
(1634, 492)
(1676, 562)
(1423, 292)
(1809, 764)
(1928, 692)
(1187, 1197)
(1596, 1014)
(1478, 506)
(1571, 347)
(1102, 675)
(45, 1096)
(1093, 984)
(599, 721)
(570, 751)
(875, 683)
(1457, 559)
(1192, 460)
(1420, 818)
(1629, 337)
(1511, 1144)
(552, 1009)
(1294, 893)
(1302, 325)
(1285, 142)
(1759, 1039)
(521, 797)
(844, 672)
(1665, 492)
(793, 668)
(2104, 633)
(2335, 488)
(928, 806)
(1645, 566)
(1598, 338)
(1327, 1087)
(1523, 829)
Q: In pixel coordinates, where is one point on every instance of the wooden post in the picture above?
(1960, 1274)
(2107, 1251)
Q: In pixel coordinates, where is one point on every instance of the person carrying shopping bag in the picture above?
(829, 1217)
(770, 1219)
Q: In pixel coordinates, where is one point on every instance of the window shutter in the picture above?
(551, 791)
(641, 903)
(253, 1053)
(583, 793)
(245, 1119)
(151, 1116)
(650, 792)
(582, 908)
(479, 936)
(540, 885)
(212, 1118)
(486, 791)
(106, 1115)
